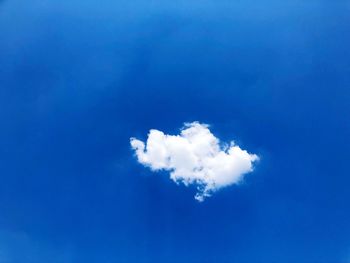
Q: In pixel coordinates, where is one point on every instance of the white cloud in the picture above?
(195, 157)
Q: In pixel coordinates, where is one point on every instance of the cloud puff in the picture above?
(195, 156)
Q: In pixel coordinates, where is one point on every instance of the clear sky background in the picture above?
(79, 78)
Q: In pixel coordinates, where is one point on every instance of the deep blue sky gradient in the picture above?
(79, 78)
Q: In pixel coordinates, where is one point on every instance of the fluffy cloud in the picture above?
(195, 156)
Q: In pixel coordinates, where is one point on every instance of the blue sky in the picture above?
(79, 78)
